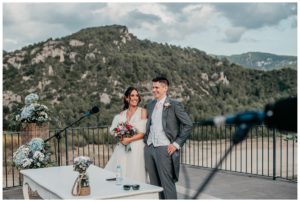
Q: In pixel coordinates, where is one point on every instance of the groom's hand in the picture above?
(171, 149)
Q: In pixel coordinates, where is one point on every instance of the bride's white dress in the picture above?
(132, 162)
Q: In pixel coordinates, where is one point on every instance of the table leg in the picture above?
(26, 191)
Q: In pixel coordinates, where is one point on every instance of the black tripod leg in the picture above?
(238, 136)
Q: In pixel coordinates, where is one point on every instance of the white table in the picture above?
(57, 183)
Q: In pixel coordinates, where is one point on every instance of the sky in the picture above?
(216, 28)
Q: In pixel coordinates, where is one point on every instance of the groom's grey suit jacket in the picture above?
(177, 126)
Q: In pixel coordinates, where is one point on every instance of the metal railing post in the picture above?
(67, 148)
(274, 155)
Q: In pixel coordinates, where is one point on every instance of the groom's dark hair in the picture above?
(161, 79)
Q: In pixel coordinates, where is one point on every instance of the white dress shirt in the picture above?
(157, 136)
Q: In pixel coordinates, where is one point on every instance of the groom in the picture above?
(167, 129)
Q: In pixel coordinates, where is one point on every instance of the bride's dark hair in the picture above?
(127, 94)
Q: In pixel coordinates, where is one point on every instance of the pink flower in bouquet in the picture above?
(124, 130)
(128, 126)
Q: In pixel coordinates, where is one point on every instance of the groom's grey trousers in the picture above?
(160, 168)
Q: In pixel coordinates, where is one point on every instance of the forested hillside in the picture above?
(95, 65)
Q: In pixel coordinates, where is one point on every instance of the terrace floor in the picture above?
(225, 185)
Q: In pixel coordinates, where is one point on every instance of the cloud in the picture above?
(14, 13)
(234, 34)
(34, 22)
(10, 40)
(70, 15)
(294, 22)
(25, 23)
(190, 19)
(159, 22)
(136, 18)
(176, 7)
(243, 17)
(256, 15)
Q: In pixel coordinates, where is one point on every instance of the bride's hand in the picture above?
(125, 141)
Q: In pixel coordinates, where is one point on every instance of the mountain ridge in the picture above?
(94, 66)
(262, 60)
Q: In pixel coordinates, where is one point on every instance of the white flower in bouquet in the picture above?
(27, 112)
(38, 156)
(34, 154)
(20, 155)
(33, 112)
(82, 163)
(26, 163)
(31, 98)
(36, 144)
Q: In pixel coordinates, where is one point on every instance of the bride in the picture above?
(132, 162)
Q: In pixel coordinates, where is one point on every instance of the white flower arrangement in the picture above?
(33, 112)
(82, 163)
(35, 154)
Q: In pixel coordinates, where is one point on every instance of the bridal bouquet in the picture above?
(124, 130)
(34, 154)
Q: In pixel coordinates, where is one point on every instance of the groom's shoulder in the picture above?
(174, 101)
(151, 102)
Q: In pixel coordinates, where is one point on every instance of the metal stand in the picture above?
(58, 135)
(239, 135)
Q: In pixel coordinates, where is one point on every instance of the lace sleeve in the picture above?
(114, 124)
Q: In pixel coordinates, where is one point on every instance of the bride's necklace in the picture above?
(129, 114)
